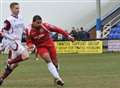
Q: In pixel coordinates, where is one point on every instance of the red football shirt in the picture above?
(42, 36)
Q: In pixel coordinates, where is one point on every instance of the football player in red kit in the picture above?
(40, 37)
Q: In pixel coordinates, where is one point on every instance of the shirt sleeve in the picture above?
(11, 36)
(53, 28)
(7, 25)
(29, 40)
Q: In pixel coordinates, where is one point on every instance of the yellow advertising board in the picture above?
(79, 46)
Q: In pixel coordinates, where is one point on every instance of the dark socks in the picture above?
(16, 60)
(7, 72)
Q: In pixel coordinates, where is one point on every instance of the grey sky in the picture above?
(64, 13)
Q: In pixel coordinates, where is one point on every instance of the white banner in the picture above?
(113, 45)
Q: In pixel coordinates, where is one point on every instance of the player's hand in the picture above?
(71, 38)
(30, 47)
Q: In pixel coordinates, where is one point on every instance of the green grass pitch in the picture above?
(78, 71)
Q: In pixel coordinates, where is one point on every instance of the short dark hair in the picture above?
(13, 4)
(37, 17)
(81, 28)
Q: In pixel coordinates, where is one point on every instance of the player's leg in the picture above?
(22, 55)
(44, 53)
(14, 58)
(8, 69)
(12, 64)
(53, 56)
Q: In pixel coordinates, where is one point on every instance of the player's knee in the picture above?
(46, 57)
(25, 56)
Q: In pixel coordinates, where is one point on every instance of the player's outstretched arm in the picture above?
(29, 43)
(53, 28)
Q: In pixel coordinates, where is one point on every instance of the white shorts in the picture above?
(15, 48)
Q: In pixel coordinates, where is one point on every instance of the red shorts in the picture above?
(51, 50)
